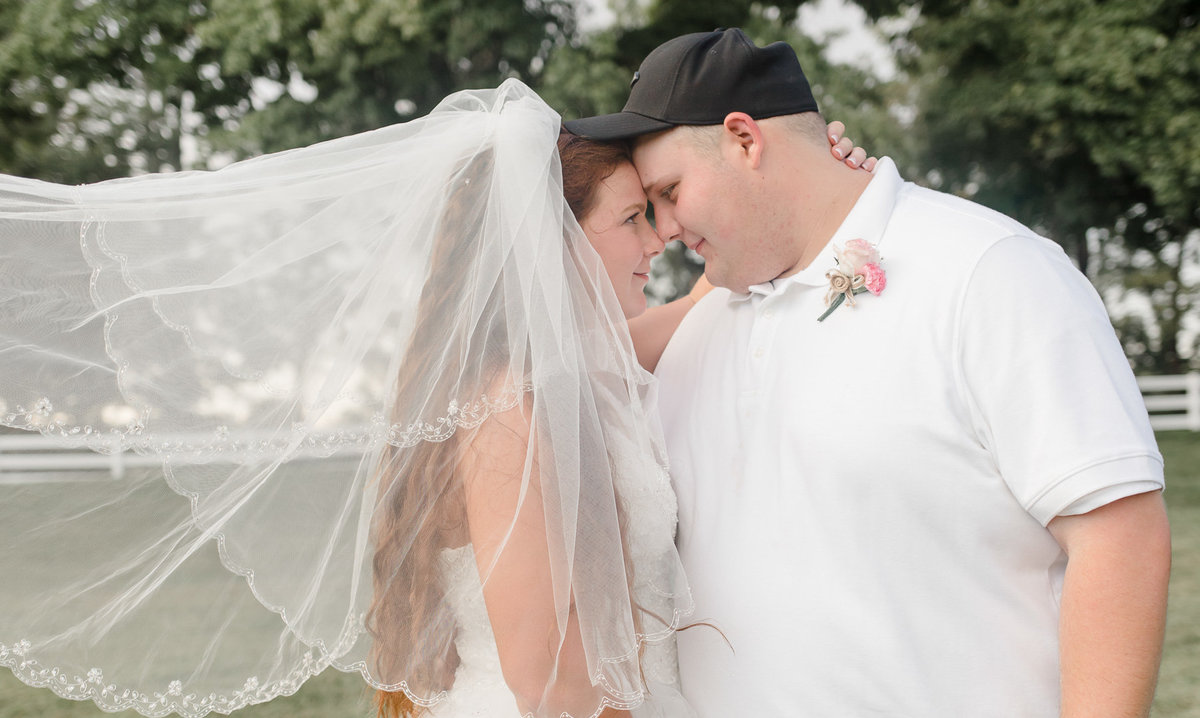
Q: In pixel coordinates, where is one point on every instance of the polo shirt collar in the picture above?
(868, 218)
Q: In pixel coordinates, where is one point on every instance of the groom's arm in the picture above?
(1114, 603)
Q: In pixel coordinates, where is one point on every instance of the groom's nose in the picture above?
(665, 224)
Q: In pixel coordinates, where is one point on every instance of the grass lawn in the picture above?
(338, 695)
(1179, 682)
(332, 694)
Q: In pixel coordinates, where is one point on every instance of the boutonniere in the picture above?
(857, 271)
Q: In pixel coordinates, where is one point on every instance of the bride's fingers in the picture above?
(857, 156)
(843, 148)
(834, 131)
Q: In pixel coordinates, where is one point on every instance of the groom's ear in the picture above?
(742, 138)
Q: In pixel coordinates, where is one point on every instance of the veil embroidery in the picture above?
(288, 354)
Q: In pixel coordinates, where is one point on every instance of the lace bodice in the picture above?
(479, 688)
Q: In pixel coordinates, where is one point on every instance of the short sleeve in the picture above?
(1102, 497)
(1050, 392)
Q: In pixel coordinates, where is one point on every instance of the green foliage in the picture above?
(375, 63)
(96, 89)
(1072, 115)
(105, 88)
(1142, 265)
(587, 78)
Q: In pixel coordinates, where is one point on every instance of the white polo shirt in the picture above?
(862, 501)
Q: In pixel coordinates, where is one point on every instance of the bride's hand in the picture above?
(843, 148)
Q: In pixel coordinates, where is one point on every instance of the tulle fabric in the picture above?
(297, 365)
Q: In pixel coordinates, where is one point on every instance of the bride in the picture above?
(372, 404)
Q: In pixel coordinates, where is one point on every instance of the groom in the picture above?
(940, 499)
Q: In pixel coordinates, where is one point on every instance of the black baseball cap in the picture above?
(700, 78)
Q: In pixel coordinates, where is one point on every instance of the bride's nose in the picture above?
(652, 244)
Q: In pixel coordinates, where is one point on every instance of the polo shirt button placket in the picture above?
(761, 335)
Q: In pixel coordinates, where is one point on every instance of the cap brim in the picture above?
(617, 126)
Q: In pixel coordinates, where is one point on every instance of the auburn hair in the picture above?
(408, 536)
(585, 164)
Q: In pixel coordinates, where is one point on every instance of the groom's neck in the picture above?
(822, 191)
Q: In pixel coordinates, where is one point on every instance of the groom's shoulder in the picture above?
(941, 213)
(955, 241)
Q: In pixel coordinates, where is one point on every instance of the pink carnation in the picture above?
(874, 278)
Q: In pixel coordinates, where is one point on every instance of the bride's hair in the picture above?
(421, 506)
(586, 163)
(420, 510)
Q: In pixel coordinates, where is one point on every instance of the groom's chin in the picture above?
(737, 286)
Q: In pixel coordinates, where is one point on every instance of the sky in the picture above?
(855, 42)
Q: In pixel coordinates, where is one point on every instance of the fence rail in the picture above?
(29, 457)
(1173, 401)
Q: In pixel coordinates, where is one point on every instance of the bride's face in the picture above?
(618, 230)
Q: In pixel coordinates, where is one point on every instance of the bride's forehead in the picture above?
(620, 190)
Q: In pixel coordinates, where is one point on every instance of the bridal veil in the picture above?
(281, 363)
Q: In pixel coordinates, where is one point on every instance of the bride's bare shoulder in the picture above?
(497, 446)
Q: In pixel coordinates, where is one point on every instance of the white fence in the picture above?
(29, 457)
(1173, 401)
(25, 455)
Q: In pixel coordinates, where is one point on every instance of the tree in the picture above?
(107, 88)
(374, 63)
(104, 88)
(1073, 115)
(1148, 270)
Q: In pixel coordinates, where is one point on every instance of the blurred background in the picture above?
(1081, 118)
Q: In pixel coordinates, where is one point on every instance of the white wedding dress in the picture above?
(479, 688)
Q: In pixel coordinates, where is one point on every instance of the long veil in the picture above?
(242, 403)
